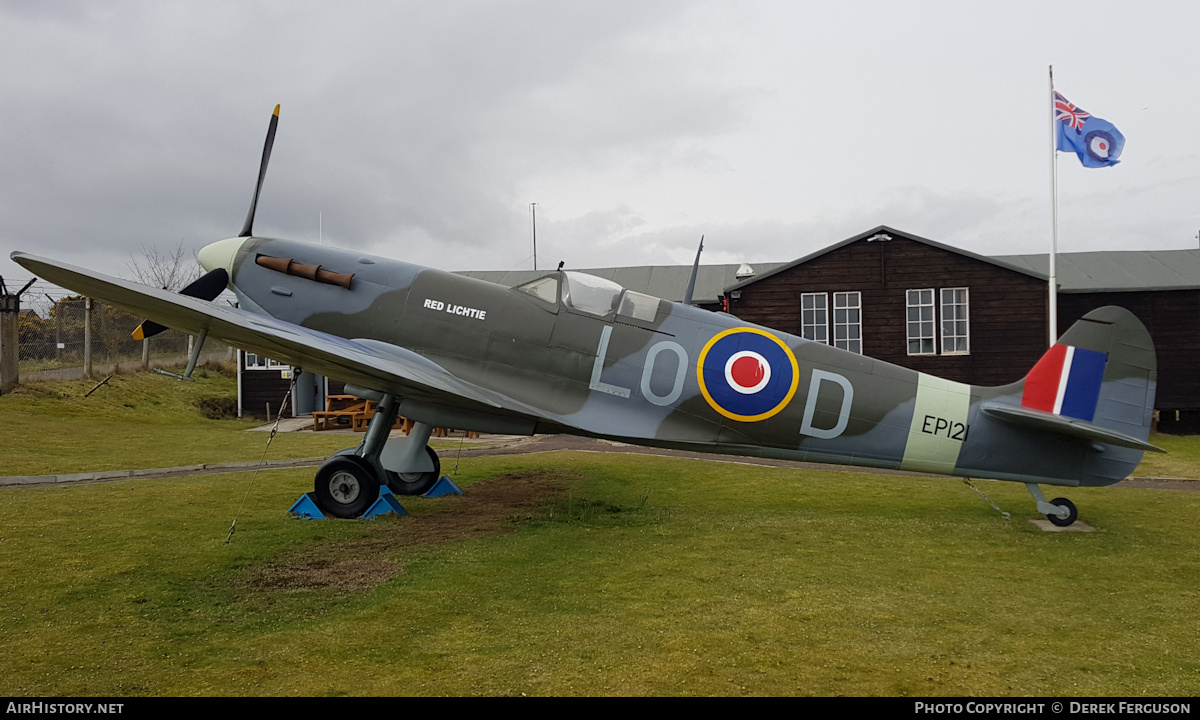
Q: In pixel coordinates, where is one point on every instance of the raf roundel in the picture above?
(1099, 145)
(747, 374)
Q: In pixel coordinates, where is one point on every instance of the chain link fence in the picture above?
(54, 335)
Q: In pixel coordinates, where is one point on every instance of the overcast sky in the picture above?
(423, 130)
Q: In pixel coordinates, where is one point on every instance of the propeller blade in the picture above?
(148, 328)
(206, 287)
(248, 228)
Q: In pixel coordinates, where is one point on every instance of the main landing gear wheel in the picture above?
(346, 485)
(415, 483)
(1072, 513)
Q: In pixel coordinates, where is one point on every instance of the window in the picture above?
(639, 306)
(847, 321)
(922, 321)
(814, 317)
(921, 339)
(956, 336)
(255, 361)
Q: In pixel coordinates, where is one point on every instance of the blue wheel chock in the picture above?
(306, 508)
(444, 486)
(387, 503)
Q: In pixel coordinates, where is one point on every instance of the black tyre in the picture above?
(415, 483)
(346, 485)
(1071, 517)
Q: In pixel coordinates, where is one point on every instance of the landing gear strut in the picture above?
(1059, 511)
(348, 483)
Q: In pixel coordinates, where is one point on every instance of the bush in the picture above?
(228, 368)
(217, 408)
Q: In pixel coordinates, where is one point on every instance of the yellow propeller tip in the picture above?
(138, 334)
(276, 111)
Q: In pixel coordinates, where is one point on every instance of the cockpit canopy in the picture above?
(593, 295)
(590, 294)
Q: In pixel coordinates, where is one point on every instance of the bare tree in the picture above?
(172, 270)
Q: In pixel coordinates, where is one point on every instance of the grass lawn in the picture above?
(144, 420)
(1182, 459)
(594, 574)
(580, 573)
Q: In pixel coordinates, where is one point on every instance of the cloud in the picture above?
(423, 130)
(409, 127)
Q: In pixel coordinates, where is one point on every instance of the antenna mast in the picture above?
(533, 211)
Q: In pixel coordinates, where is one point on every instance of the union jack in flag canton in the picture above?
(1096, 142)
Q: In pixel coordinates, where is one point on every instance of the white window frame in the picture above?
(959, 343)
(913, 326)
(809, 329)
(853, 336)
(262, 363)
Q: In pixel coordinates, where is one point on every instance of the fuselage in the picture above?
(591, 358)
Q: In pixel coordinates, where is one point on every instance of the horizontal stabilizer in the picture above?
(1065, 425)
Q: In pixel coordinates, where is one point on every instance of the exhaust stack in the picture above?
(288, 266)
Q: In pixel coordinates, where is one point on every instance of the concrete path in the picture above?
(452, 449)
(202, 469)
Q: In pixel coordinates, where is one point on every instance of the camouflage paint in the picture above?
(456, 347)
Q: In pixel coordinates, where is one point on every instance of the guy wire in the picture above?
(274, 429)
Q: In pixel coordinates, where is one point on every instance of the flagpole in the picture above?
(1053, 217)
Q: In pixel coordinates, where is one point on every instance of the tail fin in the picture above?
(1096, 383)
(1109, 350)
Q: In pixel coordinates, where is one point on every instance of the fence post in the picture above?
(10, 309)
(10, 336)
(145, 353)
(58, 343)
(87, 337)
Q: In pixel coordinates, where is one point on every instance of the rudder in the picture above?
(1103, 370)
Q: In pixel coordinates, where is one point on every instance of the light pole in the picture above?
(533, 212)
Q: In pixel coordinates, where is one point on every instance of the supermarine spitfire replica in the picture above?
(574, 353)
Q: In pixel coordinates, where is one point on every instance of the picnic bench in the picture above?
(362, 419)
(351, 411)
(346, 412)
(339, 412)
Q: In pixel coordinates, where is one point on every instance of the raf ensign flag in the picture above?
(1095, 141)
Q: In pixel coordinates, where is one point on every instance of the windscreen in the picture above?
(543, 288)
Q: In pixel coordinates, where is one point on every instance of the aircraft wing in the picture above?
(368, 363)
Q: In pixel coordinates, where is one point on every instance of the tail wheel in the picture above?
(1072, 514)
(416, 483)
(346, 486)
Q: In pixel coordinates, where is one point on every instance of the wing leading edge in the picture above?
(368, 363)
